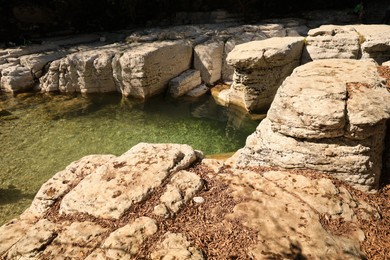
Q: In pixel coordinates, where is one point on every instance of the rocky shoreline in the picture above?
(164, 200)
(296, 190)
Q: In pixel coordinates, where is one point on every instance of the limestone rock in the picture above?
(36, 62)
(198, 91)
(12, 232)
(84, 236)
(87, 71)
(331, 41)
(113, 188)
(375, 41)
(145, 70)
(387, 63)
(182, 188)
(16, 78)
(185, 82)
(36, 238)
(239, 38)
(62, 182)
(260, 68)
(208, 60)
(176, 246)
(317, 121)
(299, 200)
(124, 242)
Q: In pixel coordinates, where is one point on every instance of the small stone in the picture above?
(198, 200)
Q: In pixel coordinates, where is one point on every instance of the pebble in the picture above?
(198, 200)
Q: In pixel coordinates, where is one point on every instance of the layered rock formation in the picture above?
(141, 67)
(260, 68)
(350, 42)
(330, 116)
(142, 205)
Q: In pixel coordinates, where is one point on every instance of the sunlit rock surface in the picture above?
(329, 115)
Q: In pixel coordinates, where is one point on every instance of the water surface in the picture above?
(41, 134)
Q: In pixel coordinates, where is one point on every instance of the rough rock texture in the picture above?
(125, 242)
(198, 91)
(183, 187)
(331, 41)
(146, 69)
(185, 82)
(375, 41)
(348, 42)
(85, 72)
(116, 187)
(260, 68)
(16, 78)
(176, 246)
(208, 60)
(329, 115)
(252, 213)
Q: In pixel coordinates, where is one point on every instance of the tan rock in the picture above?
(184, 83)
(260, 68)
(113, 188)
(182, 188)
(335, 132)
(16, 78)
(76, 240)
(375, 42)
(145, 70)
(331, 41)
(208, 60)
(285, 210)
(124, 242)
(176, 246)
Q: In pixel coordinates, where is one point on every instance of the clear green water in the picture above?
(42, 134)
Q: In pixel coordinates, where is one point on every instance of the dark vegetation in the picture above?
(26, 19)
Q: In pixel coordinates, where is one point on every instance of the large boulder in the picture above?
(330, 116)
(348, 42)
(208, 60)
(331, 41)
(88, 71)
(106, 207)
(375, 41)
(145, 70)
(16, 78)
(260, 68)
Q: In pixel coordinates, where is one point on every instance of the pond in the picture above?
(41, 134)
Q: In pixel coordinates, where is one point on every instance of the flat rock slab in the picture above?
(113, 188)
(267, 53)
(219, 212)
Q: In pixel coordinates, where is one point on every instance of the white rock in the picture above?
(198, 91)
(16, 78)
(198, 200)
(208, 60)
(184, 83)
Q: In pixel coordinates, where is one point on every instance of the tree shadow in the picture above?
(12, 195)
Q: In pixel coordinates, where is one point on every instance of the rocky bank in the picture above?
(163, 201)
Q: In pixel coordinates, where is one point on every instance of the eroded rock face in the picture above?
(348, 42)
(215, 211)
(260, 68)
(375, 41)
(329, 115)
(130, 179)
(146, 69)
(85, 72)
(16, 78)
(208, 60)
(331, 42)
